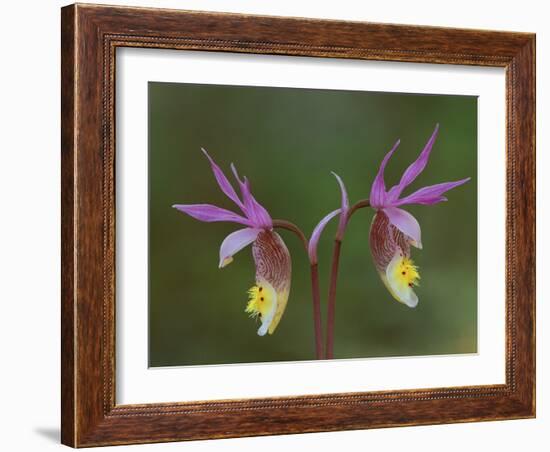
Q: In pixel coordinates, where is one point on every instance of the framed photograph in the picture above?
(281, 225)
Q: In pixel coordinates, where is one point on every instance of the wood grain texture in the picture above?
(68, 310)
(90, 36)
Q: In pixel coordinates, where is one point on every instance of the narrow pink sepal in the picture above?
(254, 210)
(223, 182)
(414, 169)
(316, 235)
(378, 195)
(209, 213)
(431, 194)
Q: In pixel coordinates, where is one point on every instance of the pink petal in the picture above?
(235, 242)
(257, 214)
(210, 213)
(223, 182)
(264, 219)
(378, 195)
(406, 223)
(431, 194)
(316, 235)
(414, 169)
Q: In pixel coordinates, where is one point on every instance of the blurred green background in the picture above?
(286, 141)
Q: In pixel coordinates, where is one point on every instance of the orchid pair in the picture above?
(393, 231)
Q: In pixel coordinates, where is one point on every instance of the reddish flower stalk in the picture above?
(331, 311)
(316, 296)
(317, 321)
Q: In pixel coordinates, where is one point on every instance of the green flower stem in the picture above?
(331, 312)
(316, 297)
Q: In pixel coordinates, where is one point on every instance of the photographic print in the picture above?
(290, 224)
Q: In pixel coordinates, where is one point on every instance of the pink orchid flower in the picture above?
(269, 296)
(394, 230)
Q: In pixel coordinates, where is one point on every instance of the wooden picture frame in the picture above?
(90, 36)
